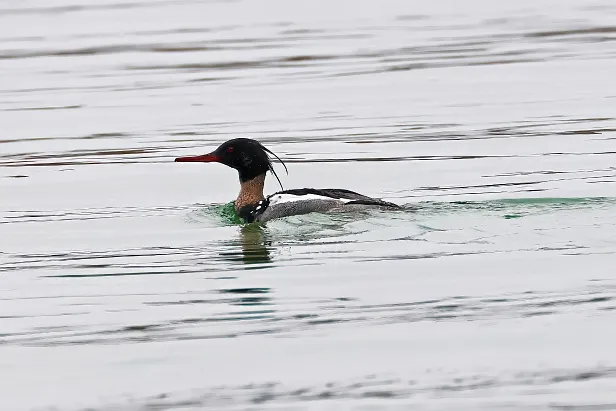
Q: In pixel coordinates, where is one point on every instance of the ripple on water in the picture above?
(437, 231)
(477, 295)
(385, 391)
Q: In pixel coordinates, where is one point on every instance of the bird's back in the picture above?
(307, 200)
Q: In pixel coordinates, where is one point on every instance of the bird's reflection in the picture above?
(253, 247)
(254, 243)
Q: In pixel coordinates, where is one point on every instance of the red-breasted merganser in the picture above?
(250, 159)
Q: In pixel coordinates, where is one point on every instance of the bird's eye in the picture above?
(229, 150)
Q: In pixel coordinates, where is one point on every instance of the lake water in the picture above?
(124, 287)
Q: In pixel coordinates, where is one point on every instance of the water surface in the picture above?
(124, 287)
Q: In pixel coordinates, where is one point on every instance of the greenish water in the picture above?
(507, 208)
(228, 214)
(514, 206)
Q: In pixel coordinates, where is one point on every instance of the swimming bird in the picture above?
(252, 162)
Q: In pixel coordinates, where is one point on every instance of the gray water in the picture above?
(123, 286)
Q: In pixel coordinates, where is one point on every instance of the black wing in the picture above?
(339, 193)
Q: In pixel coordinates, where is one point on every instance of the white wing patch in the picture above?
(279, 199)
